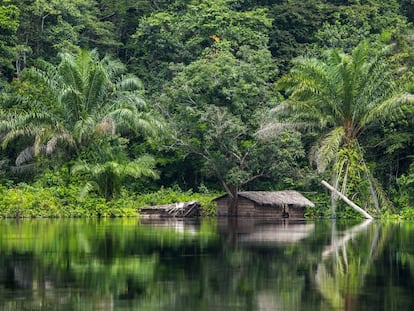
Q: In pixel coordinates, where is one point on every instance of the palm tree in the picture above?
(91, 98)
(342, 95)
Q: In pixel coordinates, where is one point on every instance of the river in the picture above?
(208, 264)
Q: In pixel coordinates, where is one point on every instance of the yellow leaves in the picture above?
(215, 38)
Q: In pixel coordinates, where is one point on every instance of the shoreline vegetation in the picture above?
(28, 201)
(31, 201)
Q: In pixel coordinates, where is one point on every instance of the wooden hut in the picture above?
(277, 204)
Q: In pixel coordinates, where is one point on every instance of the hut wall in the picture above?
(247, 208)
(222, 207)
(269, 211)
(296, 211)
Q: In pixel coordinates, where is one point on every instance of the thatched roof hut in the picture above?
(279, 204)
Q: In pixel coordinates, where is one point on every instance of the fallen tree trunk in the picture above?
(347, 201)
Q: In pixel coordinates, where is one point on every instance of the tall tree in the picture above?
(214, 105)
(342, 95)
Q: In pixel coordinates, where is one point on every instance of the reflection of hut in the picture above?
(264, 231)
(278, 204)
(278, 234)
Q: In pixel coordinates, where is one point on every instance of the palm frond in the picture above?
(24, 156)
(379, 193)
(270, 130)
(96, 87)
(25, 131)
(328, 148)
(80, 167)
(24, 168)
(87, 187)
(148, 124)
(84, 128)
(141, 167)
(314, 82)
(70, 73)
(132, 100)
(53, 142)
(72, 103)
(49, 76)
(388, 108)
(113, 68)
(129, 83)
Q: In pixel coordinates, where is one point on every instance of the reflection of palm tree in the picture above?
(340, 279)
(342, 95)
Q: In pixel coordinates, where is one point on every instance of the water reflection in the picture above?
(341, 273)
(228, 264)
(264, 231)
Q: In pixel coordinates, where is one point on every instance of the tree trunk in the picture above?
(347, 201)
(232, 203)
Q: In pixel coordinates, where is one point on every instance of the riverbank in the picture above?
(28, 201)
(56, 201)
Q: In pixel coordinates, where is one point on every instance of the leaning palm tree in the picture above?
(342, 95)
(91, 98)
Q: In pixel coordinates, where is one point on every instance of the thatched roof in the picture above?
(276, 198)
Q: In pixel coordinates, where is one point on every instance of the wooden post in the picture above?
(347, 201)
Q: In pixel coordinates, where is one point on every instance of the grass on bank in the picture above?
(28, 201)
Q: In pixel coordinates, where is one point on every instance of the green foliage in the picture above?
(353, 23)
(25, 201)
(404, 197)
(238, 81)
(407, 213)
(107, 166)
(180, 35)
(407, 7)
(295, 26)
(353, 172)
(9, 23)
(50, 26)
(56, 194)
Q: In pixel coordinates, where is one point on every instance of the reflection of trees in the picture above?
(94, 262)
(263, 267)
(123, 265)
(346, 262)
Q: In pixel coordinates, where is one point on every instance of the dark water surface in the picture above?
(236, 264)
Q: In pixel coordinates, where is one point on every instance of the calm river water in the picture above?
(236, 264)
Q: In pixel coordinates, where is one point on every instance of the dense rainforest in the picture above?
(108, 105)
